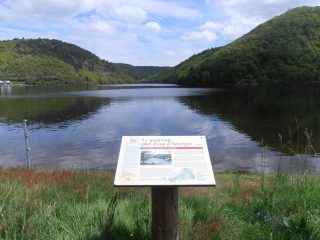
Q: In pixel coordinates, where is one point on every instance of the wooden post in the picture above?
(27, 143)
(165, 221)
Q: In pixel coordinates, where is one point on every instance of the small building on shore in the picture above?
(5, 87)
(5, 82)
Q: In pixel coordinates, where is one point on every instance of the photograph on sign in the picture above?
(156, 158)
(164, 160)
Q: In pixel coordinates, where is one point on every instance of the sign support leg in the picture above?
(165, 221)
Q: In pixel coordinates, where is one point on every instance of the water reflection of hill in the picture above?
(263, 113)
(53, 110)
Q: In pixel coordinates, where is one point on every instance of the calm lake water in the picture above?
(81, 127)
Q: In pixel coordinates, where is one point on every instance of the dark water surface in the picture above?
(81, 127)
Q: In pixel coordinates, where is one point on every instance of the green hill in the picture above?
(175, 74)
(141, 73)
(44, 61)
(284, 50)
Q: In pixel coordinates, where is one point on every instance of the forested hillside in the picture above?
(44, 61)
(173, 75)
(284, 50)
(140, 73)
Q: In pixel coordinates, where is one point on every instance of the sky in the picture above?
(140, 32)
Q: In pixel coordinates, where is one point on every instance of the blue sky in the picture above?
(140, 32)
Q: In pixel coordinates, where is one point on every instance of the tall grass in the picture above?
(84, 205)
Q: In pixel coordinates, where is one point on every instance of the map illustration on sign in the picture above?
(182, 174)
(164, 160)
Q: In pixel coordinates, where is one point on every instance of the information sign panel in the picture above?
(164, 161)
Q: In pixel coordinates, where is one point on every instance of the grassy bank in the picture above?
(84, 205)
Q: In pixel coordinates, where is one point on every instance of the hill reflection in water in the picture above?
(82, 128)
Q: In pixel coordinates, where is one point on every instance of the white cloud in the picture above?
(131, 13)
(210, 26)
(94, 25)
(169, 53)
(169, 9)
(199, 36)
(206, 34)
(154, 26)
(57, 8)
(239, 26)
(102, 27)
